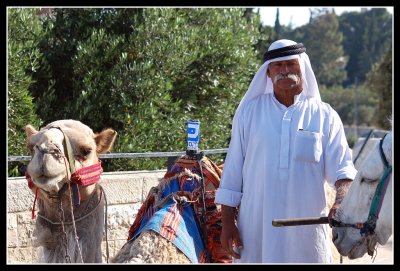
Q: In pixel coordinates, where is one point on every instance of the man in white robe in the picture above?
(285, 143)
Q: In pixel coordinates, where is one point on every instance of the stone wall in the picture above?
(125, 193)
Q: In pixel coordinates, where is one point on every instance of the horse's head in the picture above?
(355, 234)
(49, 167)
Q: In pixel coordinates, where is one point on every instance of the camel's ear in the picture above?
(105, 140)
(29, 130)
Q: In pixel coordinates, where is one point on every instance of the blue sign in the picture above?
(193, 135)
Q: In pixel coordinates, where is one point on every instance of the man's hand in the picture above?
(341, 186)
(230, 237)
(332, 212)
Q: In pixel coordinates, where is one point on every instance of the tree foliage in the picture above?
(266, 35)
(380, 82)
(356, 105)
(24, 31)
(145, 72)
(324, 47)
(367, 37)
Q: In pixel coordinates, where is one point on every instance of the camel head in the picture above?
(49, 167)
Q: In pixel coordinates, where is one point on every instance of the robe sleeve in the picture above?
(229, 192)
(338, 161)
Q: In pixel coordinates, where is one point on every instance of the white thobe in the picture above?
(278, 160)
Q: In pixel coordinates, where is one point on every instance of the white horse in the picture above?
(365, 215)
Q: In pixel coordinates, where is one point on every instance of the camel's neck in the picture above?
(50, 208)
(57, 240)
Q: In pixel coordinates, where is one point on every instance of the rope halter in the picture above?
(83, 177)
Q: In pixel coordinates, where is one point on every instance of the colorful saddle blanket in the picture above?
(174, 209)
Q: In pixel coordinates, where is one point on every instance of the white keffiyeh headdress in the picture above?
(278, 51)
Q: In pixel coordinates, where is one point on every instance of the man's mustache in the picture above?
(292, 76)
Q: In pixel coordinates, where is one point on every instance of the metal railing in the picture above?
(132, 155)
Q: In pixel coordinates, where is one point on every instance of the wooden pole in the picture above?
(300, 221)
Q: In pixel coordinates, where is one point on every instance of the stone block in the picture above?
(19, 255)
(119, 219)
(12, 231)
(19, 196)
(25, 228)
(122, 189)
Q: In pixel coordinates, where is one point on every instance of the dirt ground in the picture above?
(384, 256)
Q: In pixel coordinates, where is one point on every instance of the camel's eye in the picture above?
(84, 152)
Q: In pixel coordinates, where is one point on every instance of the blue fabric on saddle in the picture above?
(175, 221)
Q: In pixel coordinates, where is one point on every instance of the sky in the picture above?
(298, 15)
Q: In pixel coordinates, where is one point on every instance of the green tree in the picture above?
(266, 33)
(277, 25)
(24, 32)
(380, 82)
(145, 72)
(324, 47)
(265, 39)
(367, 37)
(354, 104)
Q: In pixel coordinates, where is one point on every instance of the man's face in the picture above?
(285, 74)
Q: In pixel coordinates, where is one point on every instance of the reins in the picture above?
(80, 218)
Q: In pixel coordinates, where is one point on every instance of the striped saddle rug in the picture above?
(174, 209)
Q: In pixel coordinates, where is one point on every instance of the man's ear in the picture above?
(268, 72)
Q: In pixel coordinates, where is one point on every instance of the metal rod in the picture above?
(132, 155)
(300, 221)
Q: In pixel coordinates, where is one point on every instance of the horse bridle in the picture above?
(368, 227)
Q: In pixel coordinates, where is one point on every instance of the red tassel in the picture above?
(34, 204)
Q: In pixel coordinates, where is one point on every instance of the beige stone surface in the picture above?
(120, 218)
(19, 196)
(25, 229)
(120, 190)
(12, 232)
(19, 255)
